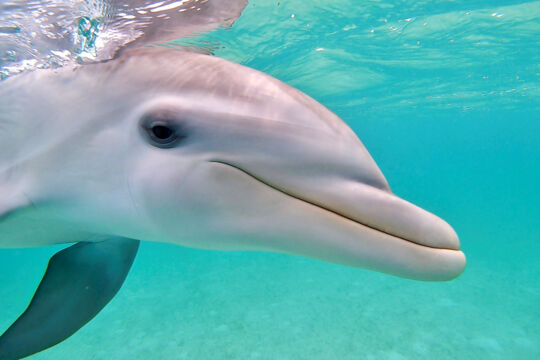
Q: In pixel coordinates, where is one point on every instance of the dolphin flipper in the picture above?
(79, 282)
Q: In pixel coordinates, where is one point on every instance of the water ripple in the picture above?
(52, 33)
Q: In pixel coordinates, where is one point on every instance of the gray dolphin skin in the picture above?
(173, 146)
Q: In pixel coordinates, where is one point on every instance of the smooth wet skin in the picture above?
(171, 146)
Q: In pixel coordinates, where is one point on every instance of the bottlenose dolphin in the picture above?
(173, 146)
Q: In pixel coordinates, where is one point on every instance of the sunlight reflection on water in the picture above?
(52, 33)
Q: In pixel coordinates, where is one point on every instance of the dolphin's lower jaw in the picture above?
(405, 240)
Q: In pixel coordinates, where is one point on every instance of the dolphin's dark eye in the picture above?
(162, 132)
(163, 129)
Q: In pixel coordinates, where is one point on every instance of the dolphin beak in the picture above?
(393, 235)
(352, 223)
(383, 211)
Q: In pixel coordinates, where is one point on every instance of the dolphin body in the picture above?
(173, 146)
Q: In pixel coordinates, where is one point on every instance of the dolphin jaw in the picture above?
(425, 230)
(341, 239)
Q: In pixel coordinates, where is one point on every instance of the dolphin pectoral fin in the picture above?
(78, 283)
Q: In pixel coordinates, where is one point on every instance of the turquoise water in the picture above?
(445, 95)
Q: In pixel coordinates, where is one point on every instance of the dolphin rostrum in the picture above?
(173, 146)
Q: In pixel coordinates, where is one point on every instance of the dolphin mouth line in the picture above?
(324, 208)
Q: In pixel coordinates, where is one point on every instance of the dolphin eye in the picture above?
(162, 129)
(162, 133)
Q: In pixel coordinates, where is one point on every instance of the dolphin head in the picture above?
(190, 149)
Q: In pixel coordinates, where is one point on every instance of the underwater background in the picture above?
(446, 97)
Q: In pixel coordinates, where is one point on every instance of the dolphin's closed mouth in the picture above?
(446, 238)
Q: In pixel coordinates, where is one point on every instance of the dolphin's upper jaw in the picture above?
(374, 207)
(383, 211)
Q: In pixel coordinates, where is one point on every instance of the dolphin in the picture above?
(174, 146)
